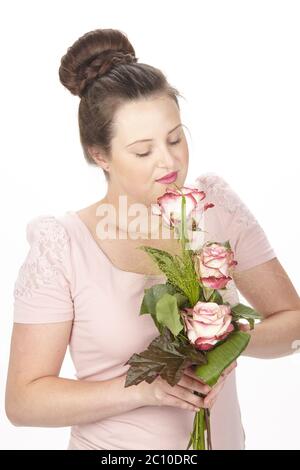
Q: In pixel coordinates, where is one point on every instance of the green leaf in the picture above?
(243, 311)
(165, 356)
(180, 271)
(222, 356)
(152, 295)
(207, 292)
(162, 258)
(216, 297)
(227, 245)
(156, 292)
(167, 313)
(182, 300)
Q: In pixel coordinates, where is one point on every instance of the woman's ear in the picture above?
(98, 157)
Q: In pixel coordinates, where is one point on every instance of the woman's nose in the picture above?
(168, 159)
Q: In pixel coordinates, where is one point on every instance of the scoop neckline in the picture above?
(99, 250)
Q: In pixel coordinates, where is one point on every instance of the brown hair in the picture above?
(102, 69)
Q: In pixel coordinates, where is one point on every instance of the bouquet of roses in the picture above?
(196, 326)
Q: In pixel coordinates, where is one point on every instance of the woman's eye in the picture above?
(148, 153)
(176, 142)
(142, 154)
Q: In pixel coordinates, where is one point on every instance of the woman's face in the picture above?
(149, 143)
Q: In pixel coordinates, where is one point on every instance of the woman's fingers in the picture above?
(244, 326)
(229, 369)
(212, 395)
(189, 381)
(186, 395)
(191, 373)
(211, 403)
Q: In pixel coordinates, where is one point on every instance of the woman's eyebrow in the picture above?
(148, 140)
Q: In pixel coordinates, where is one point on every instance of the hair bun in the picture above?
(102, 64)
(93, 55)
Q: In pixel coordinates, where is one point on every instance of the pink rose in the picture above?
(207, 323)
(213, 264)
(169, 205)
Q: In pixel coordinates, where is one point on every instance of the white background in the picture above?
(237, 64)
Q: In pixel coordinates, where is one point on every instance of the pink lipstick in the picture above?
(169, 178)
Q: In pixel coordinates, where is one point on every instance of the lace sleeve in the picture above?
(239, 225)
(42, 290)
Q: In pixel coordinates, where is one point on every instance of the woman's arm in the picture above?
(269, 290)
(36, 396)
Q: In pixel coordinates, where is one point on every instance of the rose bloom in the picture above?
(169, 206)
(213, 264)
(207, 323)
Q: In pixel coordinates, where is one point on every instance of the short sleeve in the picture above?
(42, 290)
(247, 237)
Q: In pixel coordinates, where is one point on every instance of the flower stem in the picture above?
(200, 425)
(207, 421)
(183, 224)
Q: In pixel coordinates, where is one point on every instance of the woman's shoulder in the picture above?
(216, 186)
(47, 227)
(226, 199)
(238, 224)
(45, 282)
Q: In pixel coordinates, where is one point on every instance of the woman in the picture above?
(78, 288)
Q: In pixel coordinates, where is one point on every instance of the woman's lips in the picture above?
(168, 179)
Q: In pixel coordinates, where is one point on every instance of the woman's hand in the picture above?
(212, 395)
(159, 392)
(244, 327)
(181, 395)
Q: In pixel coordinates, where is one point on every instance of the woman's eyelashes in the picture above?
(148, 153)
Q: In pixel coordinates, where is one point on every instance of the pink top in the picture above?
(66, 276)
